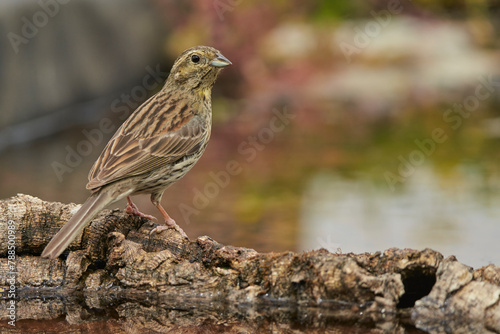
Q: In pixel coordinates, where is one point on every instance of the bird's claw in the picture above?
(134, 211)
(170, 223)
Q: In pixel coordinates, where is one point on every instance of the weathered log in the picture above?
(116, 261)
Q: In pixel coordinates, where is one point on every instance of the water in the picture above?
(117, 313)
(452, 215)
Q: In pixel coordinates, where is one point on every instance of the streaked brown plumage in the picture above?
(156, 146)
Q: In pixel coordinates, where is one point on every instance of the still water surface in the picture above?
(452, 215)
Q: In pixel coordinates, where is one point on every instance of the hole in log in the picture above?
(418, 282)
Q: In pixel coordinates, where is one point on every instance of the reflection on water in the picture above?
(146, 312)
(454, 215)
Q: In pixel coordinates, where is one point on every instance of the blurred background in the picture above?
(348, 125)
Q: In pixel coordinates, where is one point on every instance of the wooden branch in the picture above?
(117, 256)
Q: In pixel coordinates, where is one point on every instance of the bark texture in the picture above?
(117, 264)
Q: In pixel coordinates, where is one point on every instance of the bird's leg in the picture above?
(134, 211)
(169, 222)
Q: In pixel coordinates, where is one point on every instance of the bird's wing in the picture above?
(149, 140)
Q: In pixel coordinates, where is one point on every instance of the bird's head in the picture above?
(197, 69)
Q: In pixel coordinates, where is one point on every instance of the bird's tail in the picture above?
(77, 223)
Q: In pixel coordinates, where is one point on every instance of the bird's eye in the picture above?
(195, 58)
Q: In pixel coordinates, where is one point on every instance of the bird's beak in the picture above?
(220, 61)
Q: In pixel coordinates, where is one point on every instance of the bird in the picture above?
(155, 147)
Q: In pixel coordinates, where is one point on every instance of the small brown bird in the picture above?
(156, 146)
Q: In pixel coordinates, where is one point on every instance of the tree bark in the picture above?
(116, 261)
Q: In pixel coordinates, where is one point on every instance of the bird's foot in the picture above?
(134, 211)
(169, 223)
